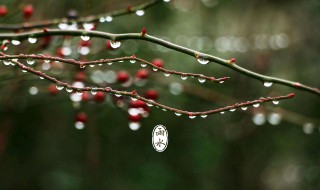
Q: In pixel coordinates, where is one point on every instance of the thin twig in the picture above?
(81, 64)
(88, 19)
(139, 36)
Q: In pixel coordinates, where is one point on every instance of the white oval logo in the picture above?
(160, 138)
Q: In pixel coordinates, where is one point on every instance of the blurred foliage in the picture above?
(41, 149)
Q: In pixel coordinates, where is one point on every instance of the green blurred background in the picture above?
(270, 147)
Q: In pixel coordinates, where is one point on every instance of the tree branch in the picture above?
(88, 19)
(134, 95)
(82, 64)
(138, 36)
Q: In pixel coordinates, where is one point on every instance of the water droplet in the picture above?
(79, 125)
(32, 40)
(275, 102)
(102, 19)
(133, 98)
(85, 38)
(82, 66)
(143, 65)
(140, 12)
(155, 69)
(259, 119)
(164, 109)
(177, 114)
(201, 80)
(166, 74)
(24, 71)
(88, 26)
(134, 125)
(133, 61)
(41, 77)
(192, 116)
(68, 89)
(47, 60)
(221, 82)
(118, 95)
(244, 108)
(59, 86)
(150, 105)
(184, 77)
(7, 62)
(256, 105)
(109, 63)
(267, 84)
(233, 109)
(109, 18)
(203, 61)
(274, 118)
(63, 26)
(308, 128)
(94, 91)
(30, 61)
(79, 92)
(115, 44)
(121, 61)
(166, 1)
(15, 42)
(204, 116)
(33, 90)
(92, 65)
(222, 112)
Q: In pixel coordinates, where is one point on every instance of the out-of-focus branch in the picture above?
(88, 19)
(134, 95)
(82, 64)
(202, 58)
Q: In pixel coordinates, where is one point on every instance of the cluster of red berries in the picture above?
(27, 11)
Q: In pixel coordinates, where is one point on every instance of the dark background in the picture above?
(41, 149)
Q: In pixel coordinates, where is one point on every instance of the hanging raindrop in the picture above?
(192, 116)
(133, 98)
(115, 44)
(267, 84)
(133, 61)
(203, 61)
(143, 65)
(244, 108)
(201, 80)
(232, 110)
(155, 69)
(32, 40)
(177, 114)
(85, 38)
(183, 77)
(140, 12)
(204, 116)
(68, 89)
(94, 91)
(79, 92)
(275, 102)
(30, 61)
(15, 42)
(256, 105)
(59, 86)
(166, 74)
(109, 18)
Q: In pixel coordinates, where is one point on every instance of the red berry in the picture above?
(3, 10)
(158, 62)
(99, 97)
(85, 43)
(52, 89)
(85, 96)
(134, 118)
(137, 104)
(28, 11)
(151, 94)
(142, 73)
(81, 117)
(80, 76)
(122, 76)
